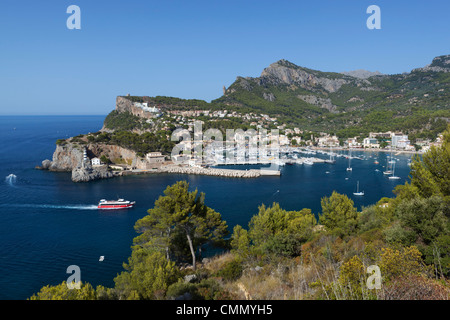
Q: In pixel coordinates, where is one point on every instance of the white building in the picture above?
(96, 162)
(399, 140)
(403, 144)
(370, 143)
(283, 140)
(144, 106)
(155, 157)
(328, 141)
(353, 143)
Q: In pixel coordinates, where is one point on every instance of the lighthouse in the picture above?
(85, 158)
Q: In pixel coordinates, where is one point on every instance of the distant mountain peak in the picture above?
(361, 73)
(288, 73)
(285, 63)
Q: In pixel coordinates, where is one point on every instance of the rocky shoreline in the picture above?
(89, 173)
(81, 173)
(74, 158)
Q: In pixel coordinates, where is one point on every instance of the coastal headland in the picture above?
(140, 134)
(75, 158)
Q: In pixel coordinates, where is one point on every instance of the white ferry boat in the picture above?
(115, 204)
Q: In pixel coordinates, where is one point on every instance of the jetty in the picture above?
(218, 172)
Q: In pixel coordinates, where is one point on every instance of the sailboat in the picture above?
(388, 164)
(331, 158)
(349, 168)
(358, 193)
(393, 177)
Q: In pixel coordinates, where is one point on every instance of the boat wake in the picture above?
(52, 206)
(11, 179)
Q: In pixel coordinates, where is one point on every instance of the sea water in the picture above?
(48, 222)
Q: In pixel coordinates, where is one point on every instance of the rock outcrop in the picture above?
(320, 102)
(124, 104)
(87, 173)
(285, 72)
(439, 64)
(361, 74)
(68, 157)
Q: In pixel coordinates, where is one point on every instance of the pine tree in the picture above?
(180, 212)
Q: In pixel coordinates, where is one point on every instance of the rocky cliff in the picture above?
(69, 157)
(87, 173)
(65, 158)
(285, 72)
(439, 64)
(126, 105)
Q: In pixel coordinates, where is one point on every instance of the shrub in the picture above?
(338, 214)
(415, 287)
(399, 263)
(61, 142)
(231, 270)
(207, 289)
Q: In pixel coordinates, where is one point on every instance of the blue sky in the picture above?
(191, 49)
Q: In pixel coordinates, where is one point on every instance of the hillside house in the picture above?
(96, 162)
(155, 157)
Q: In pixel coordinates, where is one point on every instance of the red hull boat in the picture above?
(115, 204)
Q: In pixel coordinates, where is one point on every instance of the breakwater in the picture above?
(218, 172)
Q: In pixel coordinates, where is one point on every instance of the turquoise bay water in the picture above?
(48, 223)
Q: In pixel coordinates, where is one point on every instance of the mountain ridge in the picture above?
(318, 100)
(417, 102)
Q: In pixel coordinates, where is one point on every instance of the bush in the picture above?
(105, 159)
(397, 234)
(207, 289)
(284, 244)
(61, 142)
(62, 292)
(231, 271)
(148, 276)
(181, 288)
(338, 214)
(415, 287)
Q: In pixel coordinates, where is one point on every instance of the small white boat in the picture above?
(393, 177)
(349, 168)
(358, 193)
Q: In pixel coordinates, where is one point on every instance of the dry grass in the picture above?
(218, 262)
(293, 279)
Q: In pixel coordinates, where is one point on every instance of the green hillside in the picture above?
(417, 103)
(333, 102)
